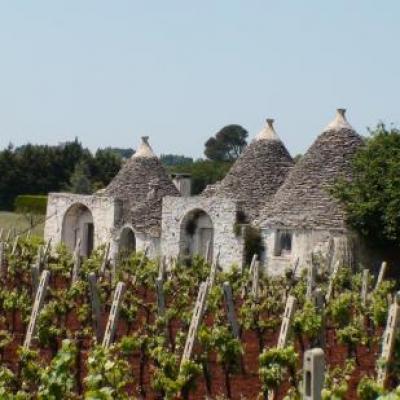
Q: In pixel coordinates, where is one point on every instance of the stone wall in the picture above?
(304, 243)
(106, 213)
(222, 211)
(143, 241)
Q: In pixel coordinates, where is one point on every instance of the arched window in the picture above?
(127, 242)
(78, 224)
(283, 243)
(196, 234)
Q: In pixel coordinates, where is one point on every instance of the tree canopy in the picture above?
(372, 198)
(174, 159)
(227, 144)
(38, 169)
(203, 172)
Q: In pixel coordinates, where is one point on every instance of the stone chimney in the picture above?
(268, 132)
(340, 121)
(183, 183)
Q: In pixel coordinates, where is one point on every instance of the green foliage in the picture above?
(37, 169)
(58, 379)
(164, 378)
(170, 160)
(253, 243)
(307, 322)
(108, 375)
(30, 369)
(379, 305)
(80, 179)
(372, 197)
(227, 145)
(274, 365)
(228, 348)
(203, 172)
(352, 335)
(395, 395)
(8, 382)
(336, 382)
(339, 309)
(368, 389)
(31, 204)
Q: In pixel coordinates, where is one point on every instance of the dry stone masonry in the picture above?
(289, 205)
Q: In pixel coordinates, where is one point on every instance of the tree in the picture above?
(227, 145)
(105, 166)
(372, 198)
(80, 181)
(203, 172)
(175, 159)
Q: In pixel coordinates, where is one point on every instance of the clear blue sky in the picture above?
(112, 71)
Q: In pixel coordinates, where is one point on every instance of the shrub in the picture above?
(30, 204)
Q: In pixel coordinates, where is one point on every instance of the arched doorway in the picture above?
(78, 224)
(127, 242)
(196, 234)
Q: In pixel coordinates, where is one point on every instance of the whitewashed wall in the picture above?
(304, 242)
(105, 210)
(222, 212)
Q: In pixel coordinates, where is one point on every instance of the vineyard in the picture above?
(145, 329)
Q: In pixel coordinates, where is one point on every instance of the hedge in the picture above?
(32, 204)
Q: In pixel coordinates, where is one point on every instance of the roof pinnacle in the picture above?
(144, 150)
(268, 132)
(340, 121)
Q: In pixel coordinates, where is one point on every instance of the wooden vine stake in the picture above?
(106, 259)
(213, 271)
(37, 306)
(311, 278)
(381, 276)
(255, 282)
(96, 305)
(114, 313)
(35, 276)
(313, 374)
(389, 339)
(143, 260)
(209, 252)
(364, 287)
(252, 264)
(77, 262)
(15, 246)
(3, 262)
(330, 253)
(160, 296)
(332, 278)
(319, 302)
(195, 322)
(162, 268)
(230, 309)
(45, 255)
(287, 318)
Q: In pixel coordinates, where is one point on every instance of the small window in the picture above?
(283, 243)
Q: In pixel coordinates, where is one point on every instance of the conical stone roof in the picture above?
(258, 173)
(304, 201)
(141, 184)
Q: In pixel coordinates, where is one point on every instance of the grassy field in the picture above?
(9, 220)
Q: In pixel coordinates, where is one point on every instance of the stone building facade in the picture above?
(229, 206)
(290, 206)
(126, 214)
(303, 218)
(72, 216)
(191, 224)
